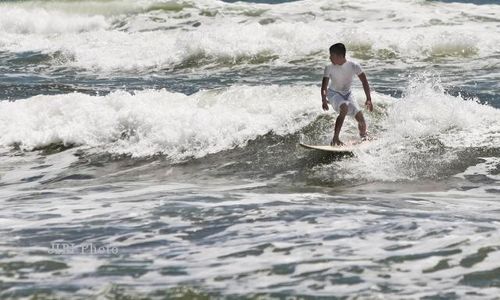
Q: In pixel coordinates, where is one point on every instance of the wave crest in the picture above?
(158, 122)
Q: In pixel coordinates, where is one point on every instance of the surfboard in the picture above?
(328, 148)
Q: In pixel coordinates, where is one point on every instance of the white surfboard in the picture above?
(328, 148)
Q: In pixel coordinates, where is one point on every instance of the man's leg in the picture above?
(361, 124)
(338, 125)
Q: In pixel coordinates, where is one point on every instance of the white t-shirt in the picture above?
(341, 75)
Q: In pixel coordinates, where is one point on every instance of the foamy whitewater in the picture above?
(149, 149)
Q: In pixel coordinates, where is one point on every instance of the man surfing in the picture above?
(341, 72)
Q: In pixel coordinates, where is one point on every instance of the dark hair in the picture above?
(338, 49)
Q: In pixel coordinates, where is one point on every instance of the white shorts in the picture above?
(336, 100)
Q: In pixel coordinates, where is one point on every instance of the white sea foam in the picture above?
(142, 37)
(45, 22)
(421, 135)
(150, 122)
(416, 136)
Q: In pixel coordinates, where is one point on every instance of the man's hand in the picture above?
(325, 104)
(369, 104)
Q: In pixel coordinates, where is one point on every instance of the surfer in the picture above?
(341, 72)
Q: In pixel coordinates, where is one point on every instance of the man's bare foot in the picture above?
(365, 138)
(336, 142)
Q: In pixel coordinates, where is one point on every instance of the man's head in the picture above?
(337, 53)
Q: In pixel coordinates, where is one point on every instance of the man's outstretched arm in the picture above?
(324, 87)
(366, 87)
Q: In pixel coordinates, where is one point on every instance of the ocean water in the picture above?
(149, 150)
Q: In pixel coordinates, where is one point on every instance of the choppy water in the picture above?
(149, 149)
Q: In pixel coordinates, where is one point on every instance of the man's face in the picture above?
(336, 59)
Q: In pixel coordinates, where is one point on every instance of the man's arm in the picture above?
(324, 87)
(366, 87)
